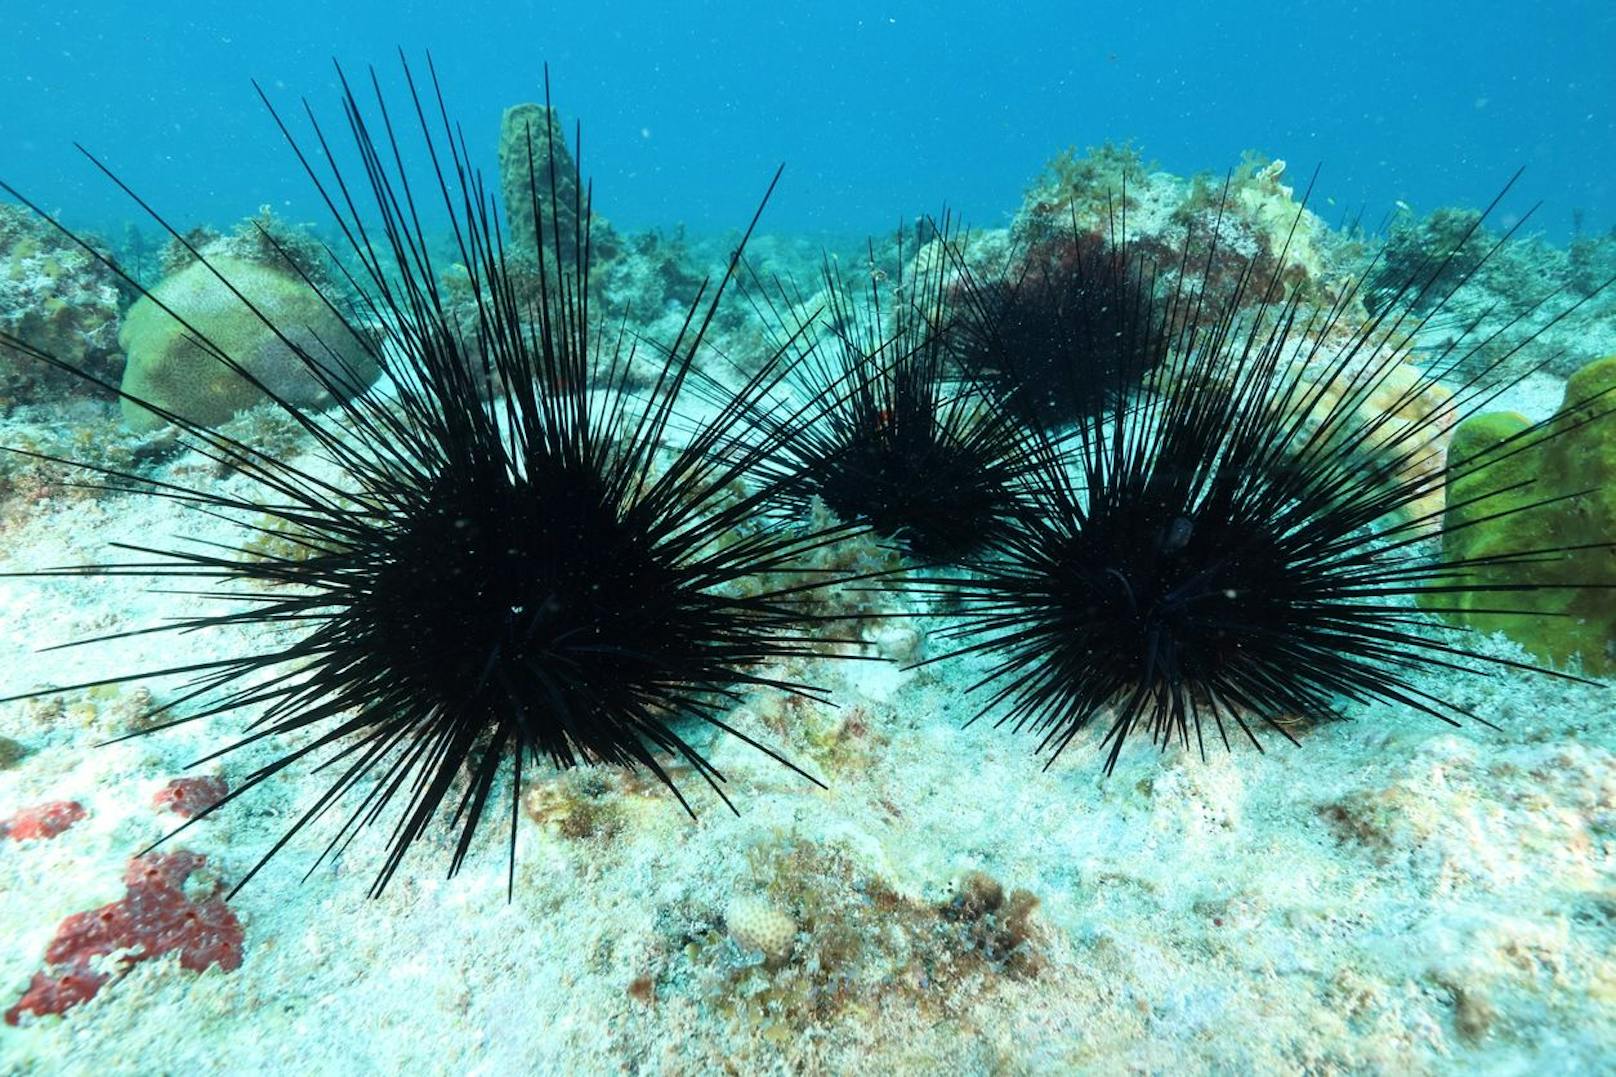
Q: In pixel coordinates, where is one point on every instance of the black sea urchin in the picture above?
(491, 580)
(1237, 536)
(1072, 318)
(882, 433)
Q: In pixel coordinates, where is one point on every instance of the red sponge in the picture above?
(155, 917)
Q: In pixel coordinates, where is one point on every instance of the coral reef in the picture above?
(1092, 185)
(533, 156)
(590, 803)
(1440, 252)
(646, 276)
(263, 239)
(164, 910)
(1489, 290)
(104, 709)
(171, 368)
(1590, 260)
(1573, 454)
(818, 940)
(57, 296)
(31, 484)
(654, 272)
(1395, 899)
(1253, 218)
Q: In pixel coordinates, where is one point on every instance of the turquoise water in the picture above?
(881, 111)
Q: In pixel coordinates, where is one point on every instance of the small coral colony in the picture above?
(1168, 461)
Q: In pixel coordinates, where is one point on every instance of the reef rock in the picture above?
(1252, 221)
(58, 298)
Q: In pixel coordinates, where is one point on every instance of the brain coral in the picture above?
(755, 923)
(169, 367)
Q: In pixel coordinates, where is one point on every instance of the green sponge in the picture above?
(167, 367)
(1575, 452)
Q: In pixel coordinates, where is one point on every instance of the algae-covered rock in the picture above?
(59, 299)
(1575, 454)
(169, 367)
(1239, 233)
(1438, 252)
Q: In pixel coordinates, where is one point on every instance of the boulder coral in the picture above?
(1573, 459)
(170, 367)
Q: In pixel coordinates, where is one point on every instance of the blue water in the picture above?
(880, 110)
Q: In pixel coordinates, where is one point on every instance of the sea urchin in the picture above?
(493, 579)
(880, 429)
(1237, 536)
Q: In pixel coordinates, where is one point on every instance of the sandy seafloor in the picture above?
(1395, 896)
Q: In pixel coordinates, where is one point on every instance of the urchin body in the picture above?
(532, 603)
(1162, 607)
(1058, 334)
(891, 437)
(940, 476)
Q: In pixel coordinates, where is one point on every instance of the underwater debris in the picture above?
(494, 583)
